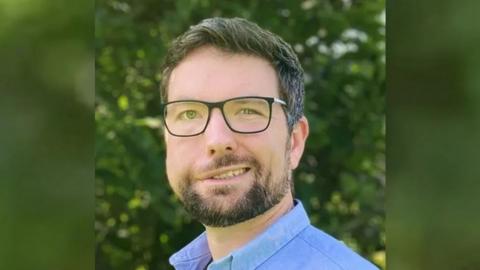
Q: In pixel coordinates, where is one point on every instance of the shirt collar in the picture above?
(196, 254)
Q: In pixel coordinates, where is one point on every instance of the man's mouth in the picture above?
(225, 173)
(230, 174)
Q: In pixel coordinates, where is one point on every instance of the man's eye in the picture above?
(189, 115)
(248, 111)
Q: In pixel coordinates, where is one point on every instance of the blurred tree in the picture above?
(341, 180)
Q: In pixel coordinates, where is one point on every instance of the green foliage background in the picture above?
(341, 180)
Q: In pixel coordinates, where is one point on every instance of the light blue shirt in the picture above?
(290, 243)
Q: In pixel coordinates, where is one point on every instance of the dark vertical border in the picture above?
(433, 131)
(46, 134)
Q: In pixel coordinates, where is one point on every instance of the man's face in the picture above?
(254, 169)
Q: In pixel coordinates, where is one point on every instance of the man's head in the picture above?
(239, 36)
(221, 175)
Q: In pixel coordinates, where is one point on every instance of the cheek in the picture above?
(270, 151)
(178, 161)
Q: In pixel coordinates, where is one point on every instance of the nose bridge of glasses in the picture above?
(216, 113)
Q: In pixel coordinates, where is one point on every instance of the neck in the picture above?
(222, 241)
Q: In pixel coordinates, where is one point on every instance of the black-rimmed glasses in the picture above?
(251, 114)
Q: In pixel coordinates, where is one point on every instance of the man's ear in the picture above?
(297, 141)
(162, 131)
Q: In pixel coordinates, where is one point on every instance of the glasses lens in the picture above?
(247, 114)
(186, 118)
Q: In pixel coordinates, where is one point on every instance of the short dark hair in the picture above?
(237, 35)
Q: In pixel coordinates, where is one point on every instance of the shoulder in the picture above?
(324, 247)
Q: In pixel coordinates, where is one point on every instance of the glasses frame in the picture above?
(220, 105)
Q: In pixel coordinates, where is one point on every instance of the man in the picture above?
(235, 130)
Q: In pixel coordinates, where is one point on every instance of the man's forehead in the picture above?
(209, 73)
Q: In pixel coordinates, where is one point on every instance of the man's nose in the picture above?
(220, 140)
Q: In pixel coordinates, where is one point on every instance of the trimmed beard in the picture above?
(264, 194)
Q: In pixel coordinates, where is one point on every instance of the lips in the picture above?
(230, 174)
(224, 173)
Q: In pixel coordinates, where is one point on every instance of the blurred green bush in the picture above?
(341, 180)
